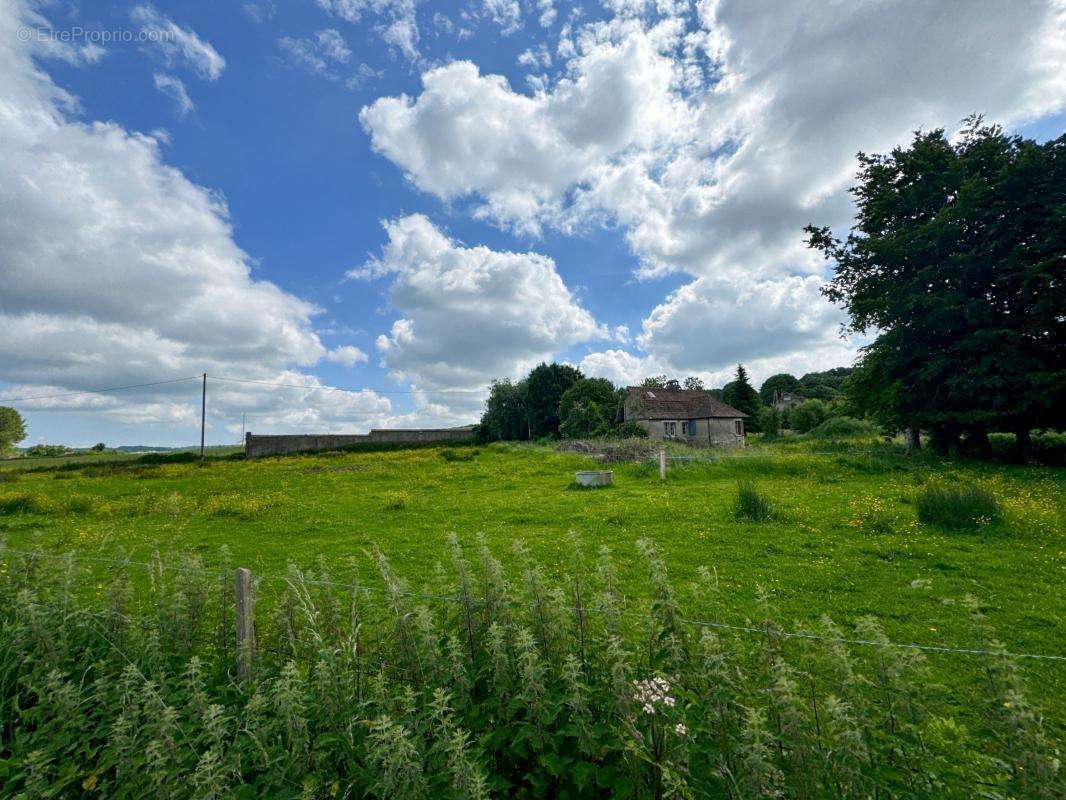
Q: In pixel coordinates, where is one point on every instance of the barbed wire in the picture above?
(749, 629)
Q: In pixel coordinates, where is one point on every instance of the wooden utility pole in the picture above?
(245, 629)
(203, 419)
(662, 464)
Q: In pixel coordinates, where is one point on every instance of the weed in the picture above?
(25, 503)
(957, 507)
(751, 504)
(395, 501)
(450, 454)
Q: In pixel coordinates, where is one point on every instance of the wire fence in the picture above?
(630, 614)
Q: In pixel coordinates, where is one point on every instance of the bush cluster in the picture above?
(482, 684)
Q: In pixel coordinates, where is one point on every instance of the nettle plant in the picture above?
(120, 680)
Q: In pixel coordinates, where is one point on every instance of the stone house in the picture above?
(687, 415)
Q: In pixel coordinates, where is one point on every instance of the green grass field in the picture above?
(844, 539)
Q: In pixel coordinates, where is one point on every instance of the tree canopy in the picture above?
(741, 395)
(544, 388)
(956, 260)
(12, 428)
(782, 382)
(588, 407)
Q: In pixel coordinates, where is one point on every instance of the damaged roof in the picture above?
(642, 403)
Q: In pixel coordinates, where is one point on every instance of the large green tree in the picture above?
(782, 381)
(505, 414)
(544, 388)
(741, 395)
(12, 428)
(957, 261)
(588, 408)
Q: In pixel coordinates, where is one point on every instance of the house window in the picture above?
(738, 424)
(670, 428)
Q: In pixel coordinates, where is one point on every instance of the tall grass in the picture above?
(479, 684)
(957, 507)
(752, 505)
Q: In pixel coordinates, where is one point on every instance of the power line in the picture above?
(97, 391)
(338, 388)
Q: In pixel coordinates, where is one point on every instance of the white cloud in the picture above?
(178, 43)
(174, 88)
(471, 134)
(320, 54)
(347, 355)
(535, 57)
(397, 20)
(505, 13)
(711, 142)
(471, 314)
(118, 270)
(547, 12)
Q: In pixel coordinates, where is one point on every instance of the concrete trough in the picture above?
(594, 478)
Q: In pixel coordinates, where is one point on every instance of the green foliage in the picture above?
(740, 394)
(588, 408)
(490, 682)
(450, 454)
(752, 505)
(782, 382)
(807, 415)
(12, 428)
(769, 422)
(954, 262)
(630, 430)
(47, 450)
(824, 386)
(99, 447)
(843, 428)
(543, 389)
(505, 416)
(957, 507)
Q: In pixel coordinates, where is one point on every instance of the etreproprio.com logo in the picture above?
(100, 36)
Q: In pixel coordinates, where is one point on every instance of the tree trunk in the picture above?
(912, 440)
(1023, 440)
(945, 441)
(977, 444)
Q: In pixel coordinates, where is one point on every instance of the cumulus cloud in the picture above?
(174, 88)
(178, 44)
(470, 314)
(711, 140)
(347, 355)
(119, 270)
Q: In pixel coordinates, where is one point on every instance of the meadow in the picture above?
(466, 622)
(844, 539)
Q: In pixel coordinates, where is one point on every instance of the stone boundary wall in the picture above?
(260, 445)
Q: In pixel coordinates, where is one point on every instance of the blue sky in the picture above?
(408, 199)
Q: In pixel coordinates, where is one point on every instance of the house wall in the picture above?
(257, 445)
(716, 432)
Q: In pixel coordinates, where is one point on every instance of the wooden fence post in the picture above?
(662, 464)
(245, 629)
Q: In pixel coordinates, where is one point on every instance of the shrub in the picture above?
(957, 507)
(751, 504)
(448, 454)
(630, 430)
(769, 422)
(807, 415)
(843, 428)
